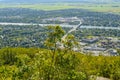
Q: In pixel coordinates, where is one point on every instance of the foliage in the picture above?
(67, 67)
(55, 64)
(118, 50)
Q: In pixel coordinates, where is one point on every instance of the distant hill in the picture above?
(40, 1)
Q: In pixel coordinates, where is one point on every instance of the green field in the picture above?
(112, 8)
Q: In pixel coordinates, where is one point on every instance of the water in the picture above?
(63, 25)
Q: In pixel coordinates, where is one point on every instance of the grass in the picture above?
(113, 8)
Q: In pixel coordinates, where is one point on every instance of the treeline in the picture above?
(36, 16)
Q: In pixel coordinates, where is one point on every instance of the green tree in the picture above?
(54, 36)
(63, 66)
(69, 43)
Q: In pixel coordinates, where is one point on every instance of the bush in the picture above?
(8, 56)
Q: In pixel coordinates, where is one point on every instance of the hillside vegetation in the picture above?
(54, 63)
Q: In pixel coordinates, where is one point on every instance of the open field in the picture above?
(112, 8)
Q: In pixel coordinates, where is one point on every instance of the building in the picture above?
(112, 52)
(61, 19)
(94, 49)
(90, 41)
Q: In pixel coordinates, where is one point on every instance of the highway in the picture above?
(73, 29)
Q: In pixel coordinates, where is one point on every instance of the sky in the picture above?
(28, 1)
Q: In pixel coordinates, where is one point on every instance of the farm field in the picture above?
(111, 8)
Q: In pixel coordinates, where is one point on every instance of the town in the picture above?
(106, 46)
(95, 44)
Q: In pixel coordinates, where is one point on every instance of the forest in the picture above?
(24, 15)
(23, 36)
(81, 33)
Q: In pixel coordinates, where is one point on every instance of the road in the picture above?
(73, 29)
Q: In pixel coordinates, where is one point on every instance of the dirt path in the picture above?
(101, 78)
